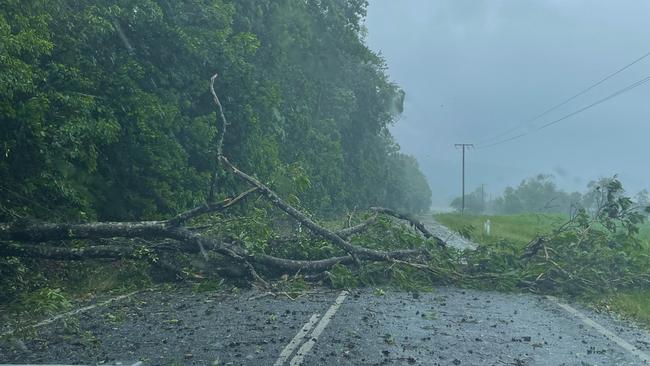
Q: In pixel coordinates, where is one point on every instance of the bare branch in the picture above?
(348, 232)
(222, 116)
(221, 131)
(343, 233)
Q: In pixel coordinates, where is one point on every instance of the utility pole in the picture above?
(482, 198)
(463, 147)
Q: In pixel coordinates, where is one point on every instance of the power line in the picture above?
(566, 101)
(611, 96)
(463, 147)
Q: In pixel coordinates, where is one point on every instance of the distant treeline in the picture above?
(105, 111)
(540, 194)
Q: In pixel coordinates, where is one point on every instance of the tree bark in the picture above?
(65, 253)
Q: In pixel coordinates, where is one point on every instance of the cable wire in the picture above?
(566, 101)
(611, 96)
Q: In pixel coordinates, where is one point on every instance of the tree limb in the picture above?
(353, 230)
(343, 233)
(8, 249)
(34, 231)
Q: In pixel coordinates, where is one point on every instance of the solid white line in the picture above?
(74, 312)
(307, 346)
(607, 333)
(296, 341)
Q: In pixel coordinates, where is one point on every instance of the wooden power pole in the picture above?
(463, 147)
(482, 198)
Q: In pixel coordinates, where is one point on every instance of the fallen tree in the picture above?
(34, 239)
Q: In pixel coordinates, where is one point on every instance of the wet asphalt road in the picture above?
(446, 327)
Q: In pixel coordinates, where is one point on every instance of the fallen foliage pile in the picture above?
(242, 249)
(244, 236)
(592, 252)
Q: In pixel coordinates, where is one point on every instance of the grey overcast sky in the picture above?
(473, 69)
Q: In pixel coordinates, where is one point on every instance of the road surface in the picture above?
(450, 237)
(448, 326)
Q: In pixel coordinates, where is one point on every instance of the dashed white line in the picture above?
(296, 341)
(313, 337)
(602, 330)
(307, 346)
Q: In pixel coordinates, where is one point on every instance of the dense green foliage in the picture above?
(538, 194)
(105, 111)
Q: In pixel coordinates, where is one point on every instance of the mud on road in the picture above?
(446, 327)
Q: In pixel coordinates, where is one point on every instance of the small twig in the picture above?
(265, 294)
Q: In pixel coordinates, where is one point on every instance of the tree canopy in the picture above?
(540, 194)
(106, 112)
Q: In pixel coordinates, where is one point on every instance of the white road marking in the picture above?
(600, 329)
(297, 340)
(307, 346)
(74, 312)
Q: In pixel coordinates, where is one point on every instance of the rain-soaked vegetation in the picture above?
(106, 112)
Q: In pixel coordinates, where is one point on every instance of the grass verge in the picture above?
(518, 229)
(634, 305)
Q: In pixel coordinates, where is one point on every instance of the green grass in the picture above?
(521, 229)
(635, 305)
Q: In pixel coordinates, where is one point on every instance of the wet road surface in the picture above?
(450, 237)
(446, 327)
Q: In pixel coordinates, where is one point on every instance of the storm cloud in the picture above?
(473, 70)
